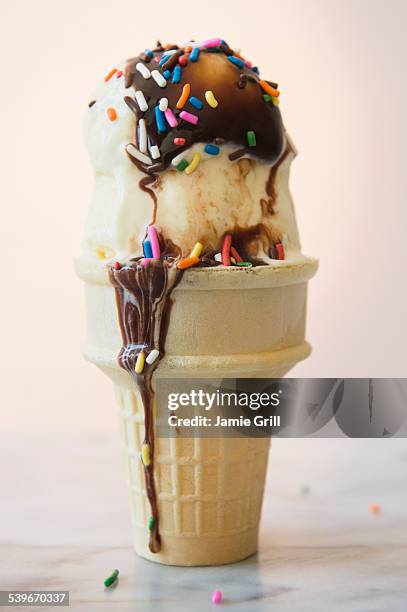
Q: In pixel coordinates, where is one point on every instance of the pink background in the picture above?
(341, 67)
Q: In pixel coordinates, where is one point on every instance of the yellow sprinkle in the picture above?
(210, 98)
(275, 101)
(194, 164)
(197, 250)
(104, 252)
(140, 362)
(145, 454)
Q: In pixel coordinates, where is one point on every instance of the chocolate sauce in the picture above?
(241, 106)
(143, 297)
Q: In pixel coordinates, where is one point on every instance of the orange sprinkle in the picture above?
(269, 89)
(111, 73)
(111, 113)
(375, 508)
(188, 49)
(184, 96)
(188, 262)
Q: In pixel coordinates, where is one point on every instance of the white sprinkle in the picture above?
(152, 356)
(155, 152)
(218, 257)
(142, 136)
(158, 78)
(141, 101)
(178, 158)
(163, 104)
(143, 70)
(134, 152)
(232, 260)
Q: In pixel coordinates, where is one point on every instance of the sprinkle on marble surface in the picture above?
(112, 579)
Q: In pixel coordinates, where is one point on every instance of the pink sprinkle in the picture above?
(119, 74)
(145, 261)
(155, 245)
(212, 42)
(169, 115)
(248, 64)
(189, 117)
(217, 597)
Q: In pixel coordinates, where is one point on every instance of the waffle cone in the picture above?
(224, 323)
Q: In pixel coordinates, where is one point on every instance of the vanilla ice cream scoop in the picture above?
(189, 139)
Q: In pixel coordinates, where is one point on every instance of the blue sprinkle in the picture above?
(196, 102)
(167, 74)
(211, 149)
(176, 75)
(148, 251)
(149, 53)
(194, 54)
(255, 69)
(159, 118)
(164, 59)
(236, 60)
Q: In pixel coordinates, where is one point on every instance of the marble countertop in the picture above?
(65, 524)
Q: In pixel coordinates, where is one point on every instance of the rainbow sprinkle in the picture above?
(155, 152)
(189, 117)
(142, 136)
(143, 70)
(211, 42)
(176, 75)
(148, 251)
(194, 54)
(196, 103)
(211, 149)
(110, 74)
(236, 60)
(155, 245)
(111, 579)
(210, 98)
(139, 367)
(184, 96)
(158, 78)
(159, 118)
(163, 104)
(170, 117)
(194, 164)
(141, 101)
(182, 165)
(251, 138)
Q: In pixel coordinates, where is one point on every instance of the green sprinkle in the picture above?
(244, 264)
(267, 97)
(251, 138)
(112, 578)
(305, 489)
(182, 165)
(151, 523)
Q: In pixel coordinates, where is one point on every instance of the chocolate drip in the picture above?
(271, 182)
(143, 297)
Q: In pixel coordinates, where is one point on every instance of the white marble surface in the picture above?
(64, 523)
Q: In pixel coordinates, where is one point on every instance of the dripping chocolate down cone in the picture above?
(209, 491)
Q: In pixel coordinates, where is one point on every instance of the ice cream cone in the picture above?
(224, 323)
